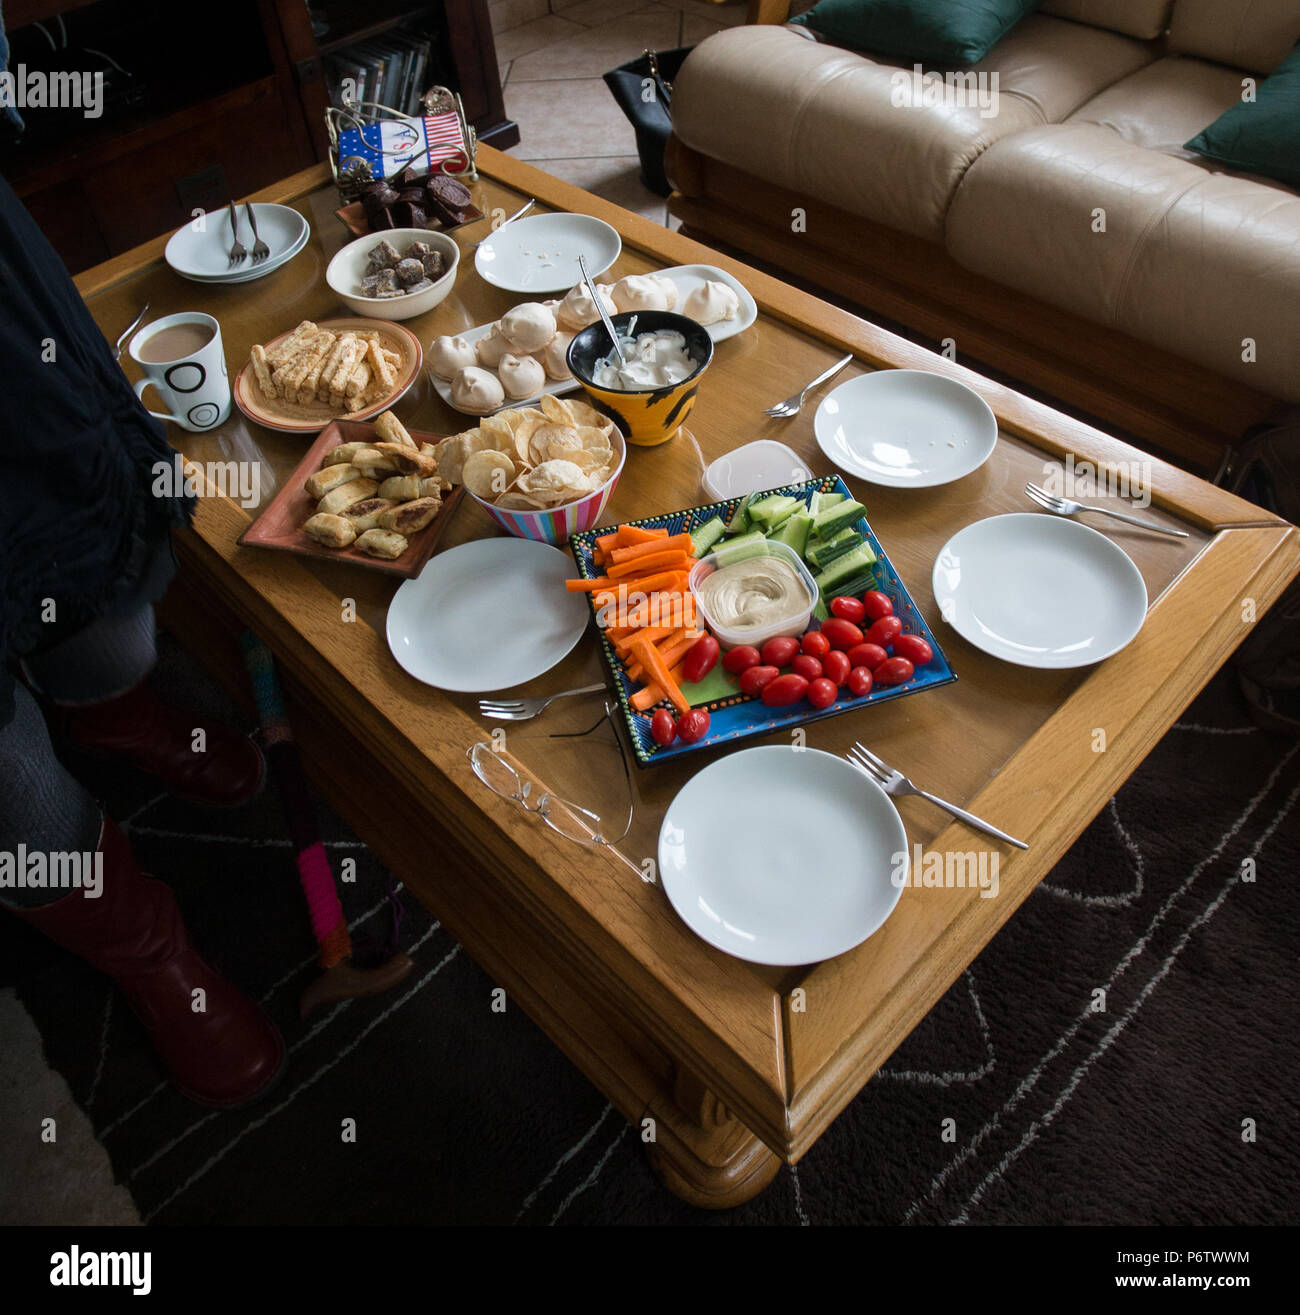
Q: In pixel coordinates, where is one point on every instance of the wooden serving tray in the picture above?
(280, 525)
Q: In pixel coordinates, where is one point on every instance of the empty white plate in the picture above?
(1039, 590)
(487, 615)
(783, 856)
(205, 253)
(908, 429)
(539, 254)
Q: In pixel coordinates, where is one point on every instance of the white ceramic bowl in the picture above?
(345, 271)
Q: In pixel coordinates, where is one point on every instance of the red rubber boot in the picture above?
(159, 738)
(224, 1054)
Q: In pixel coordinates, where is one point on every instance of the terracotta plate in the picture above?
(313, 416)
(279, 526)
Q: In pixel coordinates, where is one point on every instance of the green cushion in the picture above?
(1261, 136)
(930, 31)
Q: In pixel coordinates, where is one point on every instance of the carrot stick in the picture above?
(660, 561)
(659, 673)
(649, 695)
(669, 582)
(678, 543)
(652, 633)
(589, 586)
(630, 535)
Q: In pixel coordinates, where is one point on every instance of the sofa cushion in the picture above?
(1164, 104)
(1261, 136)
(1250, 34)
(825, 122)
(1135, 18)
(933, 31)
(1192, 262)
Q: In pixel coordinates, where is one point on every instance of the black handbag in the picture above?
(644, 92)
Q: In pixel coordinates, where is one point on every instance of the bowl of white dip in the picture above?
(652, 392)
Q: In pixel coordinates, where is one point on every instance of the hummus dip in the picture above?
(753, 594)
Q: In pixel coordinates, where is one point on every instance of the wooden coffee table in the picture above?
(726, 1069)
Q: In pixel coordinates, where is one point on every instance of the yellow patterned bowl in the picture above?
(647, 416)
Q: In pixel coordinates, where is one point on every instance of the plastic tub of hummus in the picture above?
(750, 592)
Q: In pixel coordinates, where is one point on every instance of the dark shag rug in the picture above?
(1172, 1105)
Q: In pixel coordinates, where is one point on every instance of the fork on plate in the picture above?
(237, 253)
(526, 709)
(1068, 507)
(895, 784)
(260, 249)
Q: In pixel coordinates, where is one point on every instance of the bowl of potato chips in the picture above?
(541, 472)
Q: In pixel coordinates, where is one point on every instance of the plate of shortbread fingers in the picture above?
(369, 494)
(344, 369)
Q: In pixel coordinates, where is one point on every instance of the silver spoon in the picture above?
(130, 329)
(518, 214)
(600, 306)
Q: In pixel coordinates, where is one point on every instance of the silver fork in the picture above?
(237, 253)
(895, 784)
(794, 403)
(1067, 507)
(526, 709)
(260, 249)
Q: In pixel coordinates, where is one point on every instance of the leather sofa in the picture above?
(1068, 239)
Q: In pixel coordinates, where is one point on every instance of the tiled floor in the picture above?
(552, 54)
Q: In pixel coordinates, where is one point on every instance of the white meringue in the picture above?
(490, 348)
(640, 292)
(527, 327)
(521, 376)
(476, 392)
(448, 354)
(577, 309)
(669, 289)
(554, 356)
(711, 302)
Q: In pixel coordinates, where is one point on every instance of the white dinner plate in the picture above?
(685, 277)
(907, 429)
(251, 272)
(781, 855)
(487, 615)
(205, 254)
(539, 254)
(1039, 590)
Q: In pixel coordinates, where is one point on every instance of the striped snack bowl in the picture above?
(556, 525)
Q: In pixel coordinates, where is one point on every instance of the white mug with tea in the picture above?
(182, 357)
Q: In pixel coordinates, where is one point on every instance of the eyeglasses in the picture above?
(568, 819)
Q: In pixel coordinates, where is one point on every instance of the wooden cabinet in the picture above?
(204, 104)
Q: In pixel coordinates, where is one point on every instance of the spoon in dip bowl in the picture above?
(600, 306)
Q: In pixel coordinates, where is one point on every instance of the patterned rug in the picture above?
(1172, 1104)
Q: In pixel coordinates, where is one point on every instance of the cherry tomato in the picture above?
(914, 649)
(877, 604)
(693, 726)
(815, 644)
(807, 667)
(740, 659)
(663, 729)
(885, 631)
(835, 666)
(822, 692)
(867, 655)
(860, 681)
(778, 652)
(842, 634)
(896, 671)
(784, 691)
(752, 679)
(700, 658)
(851, 609)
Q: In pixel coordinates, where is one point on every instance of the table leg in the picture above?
(700, 1152)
